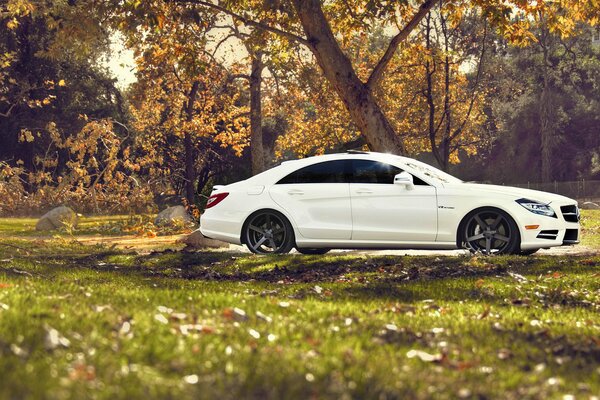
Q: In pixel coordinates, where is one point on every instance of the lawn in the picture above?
(96, 322)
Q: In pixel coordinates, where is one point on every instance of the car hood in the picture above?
(516, 192)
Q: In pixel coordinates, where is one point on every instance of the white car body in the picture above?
(384, 216)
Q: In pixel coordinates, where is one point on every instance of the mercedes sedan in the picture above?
(361, 200)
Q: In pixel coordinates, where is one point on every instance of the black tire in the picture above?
(490, 231)
(528, 252)
(312, 251)
(268, 232)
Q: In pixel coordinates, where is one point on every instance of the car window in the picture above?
(325, 172)
(366, 171)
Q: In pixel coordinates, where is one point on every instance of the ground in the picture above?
(85, 314)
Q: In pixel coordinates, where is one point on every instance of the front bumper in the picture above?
(564, 230)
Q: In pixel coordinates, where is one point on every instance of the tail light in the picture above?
(215, 199)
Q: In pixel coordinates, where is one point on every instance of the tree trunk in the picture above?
(337, 69)
(547, 125)
(429, 72)
(190, 170)
(257, 152)
(447, 94)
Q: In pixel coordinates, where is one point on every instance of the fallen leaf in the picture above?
(178, 316)
(161, 318)
(99, 309)
(485, 313)
(191, 379)
(518, 277)
(263, 317)
(164, 309)
(54, 339)
(504, 354)
(424, 356)
(254, 334)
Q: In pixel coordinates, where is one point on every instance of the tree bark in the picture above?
(429, 72)
(190, 171)
(337, 68)
(257, 152)
(547, 125)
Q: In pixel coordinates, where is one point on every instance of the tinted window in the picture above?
(325, 172)
(366, 171)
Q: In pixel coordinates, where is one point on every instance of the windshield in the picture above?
(431, 172)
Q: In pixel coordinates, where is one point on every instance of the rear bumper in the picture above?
(224, 229)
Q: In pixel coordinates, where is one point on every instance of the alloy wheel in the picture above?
(267, 233)
(489, 232)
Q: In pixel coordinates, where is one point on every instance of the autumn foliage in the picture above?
(223, 89)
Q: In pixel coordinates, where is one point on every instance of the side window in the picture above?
(325, 172)
(366, 171)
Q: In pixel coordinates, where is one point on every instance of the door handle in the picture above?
(364, 191)
(294, 192)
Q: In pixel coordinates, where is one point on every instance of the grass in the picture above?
(93, 322)
(590, 223)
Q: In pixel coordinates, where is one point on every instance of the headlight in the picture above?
(537, 208)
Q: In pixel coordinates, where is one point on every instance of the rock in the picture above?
(588, 205)
(56, 218)
(197, 240)
(172, 215)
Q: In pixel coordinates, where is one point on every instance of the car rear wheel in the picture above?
(490, 231)
(312, 251)
(268, 232)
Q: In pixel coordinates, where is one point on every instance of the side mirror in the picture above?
(405, 179)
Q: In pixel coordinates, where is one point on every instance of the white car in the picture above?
(361, 200)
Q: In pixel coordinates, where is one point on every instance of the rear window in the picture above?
(325, 172)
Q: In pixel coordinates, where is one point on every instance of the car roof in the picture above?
(364, 155)
(286, 167)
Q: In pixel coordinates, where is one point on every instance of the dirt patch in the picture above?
(134, 242)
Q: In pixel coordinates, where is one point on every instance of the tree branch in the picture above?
(238, 76)
(250, 22)
(399, 38)
(458, 130)
(7, 114)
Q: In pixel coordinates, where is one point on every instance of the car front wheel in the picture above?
(490, 231)
(268, 232)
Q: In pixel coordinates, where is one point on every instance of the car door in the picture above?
(318, 199)
(382, 210)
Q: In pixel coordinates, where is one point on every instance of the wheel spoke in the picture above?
(259, 243)
(501, 237)
(488, 245)
(268, 221)
(278, 230)
(496, 222)
(272, 244)
(482, 224)
(476, 237)
(257, 229)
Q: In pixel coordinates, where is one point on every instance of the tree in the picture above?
(305, 21)
(559, 86)
(50, 76)
(183, 104)
(454, 104)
